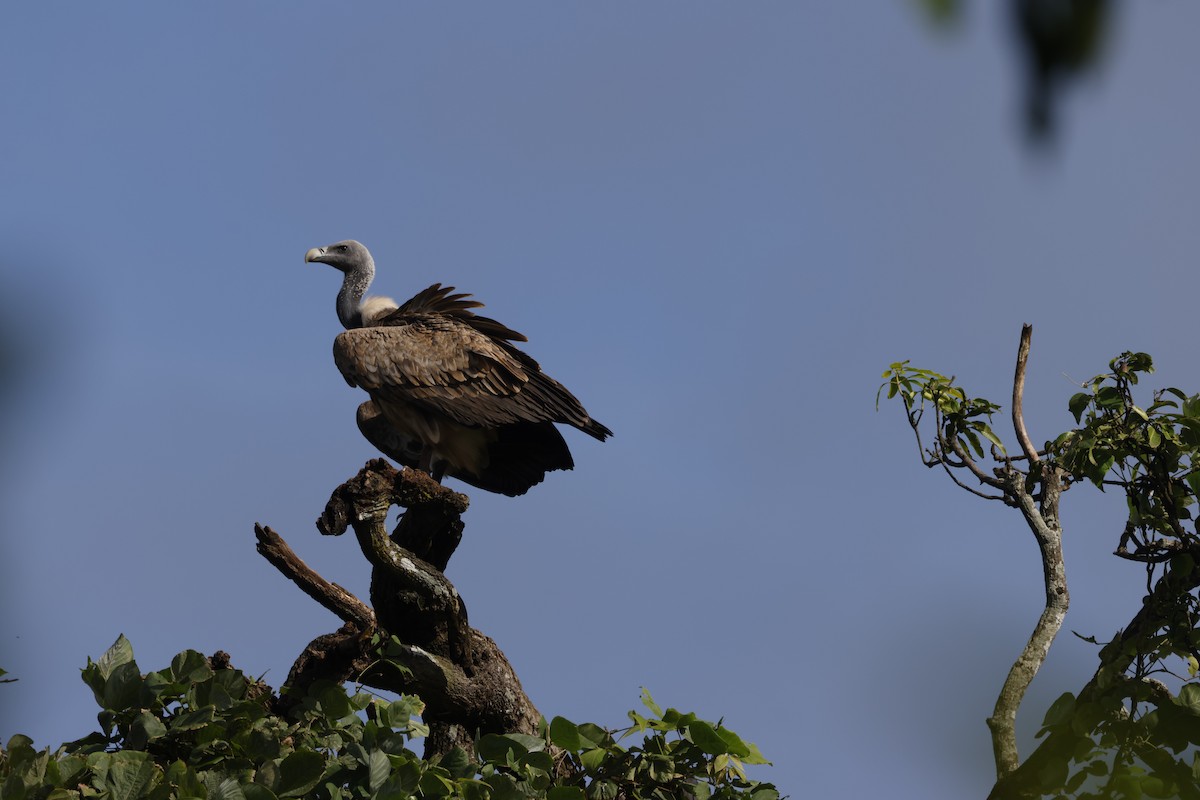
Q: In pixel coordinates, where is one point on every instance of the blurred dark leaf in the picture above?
(1059, 41)
(942, 12)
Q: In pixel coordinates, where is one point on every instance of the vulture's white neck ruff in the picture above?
(376, 308)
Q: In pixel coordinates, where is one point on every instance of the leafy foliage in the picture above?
(1149, 452)
(199, 730)
(1101, 750)
(961, 420)
(1134, 729)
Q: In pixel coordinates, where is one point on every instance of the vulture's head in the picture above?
(358, 270)
(348, 256)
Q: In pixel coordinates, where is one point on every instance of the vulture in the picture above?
(450, 393)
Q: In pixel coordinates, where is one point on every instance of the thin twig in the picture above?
(970, 489)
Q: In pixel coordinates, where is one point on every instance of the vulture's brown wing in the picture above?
(438, 299)
(436, 352)
(448, 367)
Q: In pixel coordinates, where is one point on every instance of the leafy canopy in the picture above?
(1134, 729)
(193, 730)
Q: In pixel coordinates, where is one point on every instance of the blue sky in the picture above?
(717, 223)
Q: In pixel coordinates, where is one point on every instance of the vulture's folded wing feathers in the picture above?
(437, 299)
(450, 368)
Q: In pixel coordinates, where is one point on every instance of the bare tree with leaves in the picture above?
(1134, 727)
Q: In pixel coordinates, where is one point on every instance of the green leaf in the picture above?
(1075, 782)
(755, 755)
(504, 787)
(120, 653)
(593, 734)
(592, 759)
(1053, 775)
(474, 790)
(565, 734)
(1140, 362)
(565, 793)
(379, 768)
(496, 749)
(602, 790)
(540, 761)
(660, 768)
(734, 743)
(990, 436)
(19, 741)
(458, 763)
(1109, 397)
(707, 739)
(649, 703)
(406, 776)
(331, 699)
(190, 667)
(192, 720)
(146, 727)
(531, 743)
(1060, 710)
(434, 785)
(1078, 404)
(131, 775)
(1189, 698)
(974, 440)
(267, 774)
(300, 772)
(123, 687)
(1193, 481)
(225, 789)
(254, 791)
(1153, 786)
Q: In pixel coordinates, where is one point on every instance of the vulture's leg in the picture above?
(425, 464)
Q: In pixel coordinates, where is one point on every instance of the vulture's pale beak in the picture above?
(314, 254)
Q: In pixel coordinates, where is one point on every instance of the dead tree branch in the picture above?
(1018, 396)
(429, 649)
(349, 608)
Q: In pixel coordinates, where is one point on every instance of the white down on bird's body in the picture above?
(376, 308)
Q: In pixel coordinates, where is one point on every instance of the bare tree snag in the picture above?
(429, 649)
